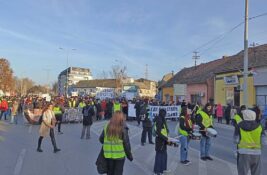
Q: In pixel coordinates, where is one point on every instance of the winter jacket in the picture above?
(219, 112)
(125, 139)
(147, 123)
(4, 105)
(161, 140)
(88, 113)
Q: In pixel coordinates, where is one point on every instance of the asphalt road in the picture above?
(18, 154)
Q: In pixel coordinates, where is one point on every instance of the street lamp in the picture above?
(67, 76)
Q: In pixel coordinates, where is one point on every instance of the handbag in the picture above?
(101, 163)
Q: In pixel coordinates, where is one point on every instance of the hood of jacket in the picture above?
(248, 125)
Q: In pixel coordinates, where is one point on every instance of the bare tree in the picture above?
(119, 73)
(23, 85)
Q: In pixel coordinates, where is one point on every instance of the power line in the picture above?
(219, 38)
(195, 57)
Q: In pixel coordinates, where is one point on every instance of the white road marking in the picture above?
(19, 163)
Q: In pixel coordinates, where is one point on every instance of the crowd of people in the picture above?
(193, 120)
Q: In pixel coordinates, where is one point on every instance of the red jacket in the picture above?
(4, 105)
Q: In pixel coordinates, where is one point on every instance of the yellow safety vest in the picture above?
(72, 104)
(250, 139)
(113, 147)
(237, 118)
(82, 104)
(57, 111)
(206, 119)
(183, 132)
(117, 107)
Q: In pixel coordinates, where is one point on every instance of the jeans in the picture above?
(147, 130)
(160, 162)
(87, 129)
(184, 140)
(14, 119)
(3, 113)
(205, 144)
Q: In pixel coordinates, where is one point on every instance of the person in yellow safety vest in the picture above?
(116, 106)
(59, 111)
(161, 142)
(250, 135)
(236, 120)
(72, 103)
(185, 129)
(82, 104)
(116, 144)
(204, 120)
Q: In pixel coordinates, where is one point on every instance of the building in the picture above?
(70, 77)
(161, 83)
(229, 79)
(99, 88)
(193, 84)
(147, 88)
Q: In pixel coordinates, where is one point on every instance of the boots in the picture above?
(39, 145)
(53, 140)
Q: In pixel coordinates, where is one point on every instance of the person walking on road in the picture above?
(185, 129)
(14, 112)
(249, 144)
(160, 165)
(88, 113)
(3, 109)
(47, 127)
(205, 121)
(116, 144)
(59, 111)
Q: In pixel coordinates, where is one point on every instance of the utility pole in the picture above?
(253, 45)
(196, 57)
(245, 89)
(146, 72)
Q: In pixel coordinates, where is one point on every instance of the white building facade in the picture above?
(70, 77)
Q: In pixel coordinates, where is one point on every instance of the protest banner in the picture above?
(104, 93)
(131, 110)
(172, 111)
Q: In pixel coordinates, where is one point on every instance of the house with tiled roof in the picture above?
(229, 78)
(194, 84)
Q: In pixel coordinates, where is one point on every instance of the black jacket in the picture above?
(147, 122)
(88, 113)
(161, 140)
(125, 139)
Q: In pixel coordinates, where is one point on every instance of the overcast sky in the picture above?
(160, 33)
